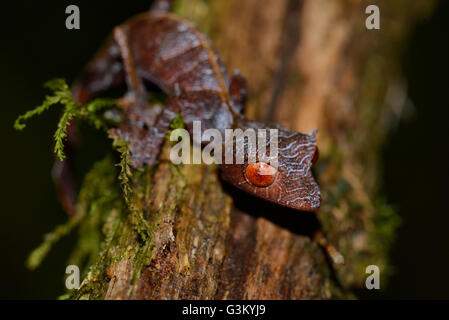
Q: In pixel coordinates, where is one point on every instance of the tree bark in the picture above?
(309, 64)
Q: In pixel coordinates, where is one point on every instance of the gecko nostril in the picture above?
(260, 174)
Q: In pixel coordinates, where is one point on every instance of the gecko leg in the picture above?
(156, 134)
(145, 141)
(136, 93)
(145, 144)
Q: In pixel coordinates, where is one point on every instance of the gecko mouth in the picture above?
(302, 193)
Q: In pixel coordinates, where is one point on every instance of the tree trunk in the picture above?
(309, 64)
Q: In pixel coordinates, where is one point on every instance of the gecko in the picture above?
(159, 48)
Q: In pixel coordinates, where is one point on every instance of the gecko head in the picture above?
(288, 181)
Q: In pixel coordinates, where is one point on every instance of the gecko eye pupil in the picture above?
(260, 174)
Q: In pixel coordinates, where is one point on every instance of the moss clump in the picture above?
(62, 95)
(100, 206)
(99, 195)
(99, 201)
(110, 218)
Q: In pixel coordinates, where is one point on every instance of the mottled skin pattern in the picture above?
(294, 185)
(165, 50)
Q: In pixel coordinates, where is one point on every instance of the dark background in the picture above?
(36, 46)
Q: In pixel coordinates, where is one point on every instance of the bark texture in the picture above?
(309, 64)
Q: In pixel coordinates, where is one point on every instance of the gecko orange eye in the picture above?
(260, 174)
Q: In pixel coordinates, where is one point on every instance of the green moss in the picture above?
(38, 254)
(98, 200)
(177, 123)
(62, 96)
(106, 233)
(99, 194)
(96, 280)
(128, 193)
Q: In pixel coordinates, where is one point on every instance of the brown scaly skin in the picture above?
(162, 49)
